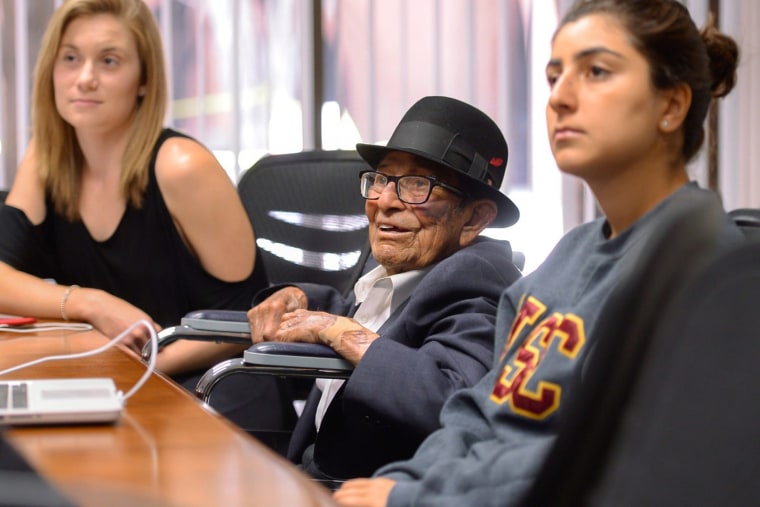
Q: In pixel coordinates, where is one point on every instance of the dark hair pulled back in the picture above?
(665, 34)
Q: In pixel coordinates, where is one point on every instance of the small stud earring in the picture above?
(665, 124)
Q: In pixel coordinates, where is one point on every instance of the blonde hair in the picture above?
(59, 156)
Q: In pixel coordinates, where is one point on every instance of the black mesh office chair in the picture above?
(310, 226)
(666, 409)
(308, 216)
(748, 220)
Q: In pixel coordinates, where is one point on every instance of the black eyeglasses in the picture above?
(410, 189)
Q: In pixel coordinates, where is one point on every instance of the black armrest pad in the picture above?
(217, 321)
(295, 349)
(227, 315)
(314, 356)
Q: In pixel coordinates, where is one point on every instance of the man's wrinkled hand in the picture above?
(265, 318)
(303, 326)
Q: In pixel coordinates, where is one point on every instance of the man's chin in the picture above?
(390, 260)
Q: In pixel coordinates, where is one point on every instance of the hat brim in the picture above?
(507, 213)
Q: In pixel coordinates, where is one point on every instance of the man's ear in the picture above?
(482, 213)
(677, 104)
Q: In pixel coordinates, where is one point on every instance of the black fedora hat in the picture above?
(460, 137)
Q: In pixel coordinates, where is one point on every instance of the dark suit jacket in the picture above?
(439, 340)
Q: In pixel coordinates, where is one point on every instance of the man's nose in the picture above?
(389, 196)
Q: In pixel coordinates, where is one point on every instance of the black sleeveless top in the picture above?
(144, 262)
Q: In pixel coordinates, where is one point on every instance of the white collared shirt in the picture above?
(378, 295)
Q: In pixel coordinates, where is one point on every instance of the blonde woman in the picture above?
(130, 219)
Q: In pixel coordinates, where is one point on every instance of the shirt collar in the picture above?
(402, 284)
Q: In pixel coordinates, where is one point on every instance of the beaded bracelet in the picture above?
(65, 297)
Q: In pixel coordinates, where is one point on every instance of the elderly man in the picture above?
(421, 324)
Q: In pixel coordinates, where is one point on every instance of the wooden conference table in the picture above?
(167, 449)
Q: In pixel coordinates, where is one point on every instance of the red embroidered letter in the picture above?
(568, 334)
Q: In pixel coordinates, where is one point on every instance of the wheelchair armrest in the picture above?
(310, 356)
(230, 326)
(310, 360)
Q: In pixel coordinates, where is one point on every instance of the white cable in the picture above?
(138, 384)
(151, 361)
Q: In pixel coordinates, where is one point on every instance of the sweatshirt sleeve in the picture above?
(465, 462)
(477, 457)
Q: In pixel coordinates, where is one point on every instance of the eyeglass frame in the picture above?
(434, 182)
